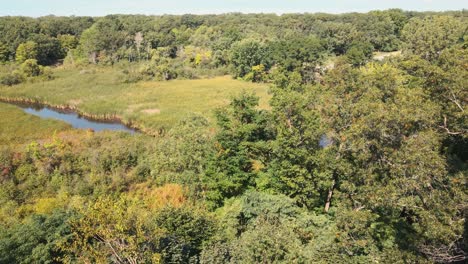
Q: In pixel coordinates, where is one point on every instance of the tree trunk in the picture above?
(330, 193)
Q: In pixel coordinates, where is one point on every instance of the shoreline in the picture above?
(105, 118)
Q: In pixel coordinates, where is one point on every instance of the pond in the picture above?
(74, 119)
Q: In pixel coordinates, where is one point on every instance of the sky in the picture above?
(37, 8)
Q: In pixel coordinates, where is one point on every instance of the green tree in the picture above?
(186, 229)
(36, 240)
(359, 53)
(428, 36)
(26, 51)
(3, 52)
(380, 30)
(67, 42)
(384, 133)
(291, 165)
(246, 54)
(48, 49)
(243, 131)
(338, 36)
(296, 53)
(89, 43)
(264, 228)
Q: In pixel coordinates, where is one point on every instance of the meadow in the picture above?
(151, 105)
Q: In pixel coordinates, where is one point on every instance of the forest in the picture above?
(262, 138)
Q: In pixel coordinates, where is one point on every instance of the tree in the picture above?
(427, 37)
(3, 53)
(89, 43)
(243, 129)
(109, 230)
(359, 53)
(36, 240)
(67, 42)
(26, 51)
(186, 229)
(48, 49)
(296, 53)
(380, 30)
(246, 54)
(338, 36)
(384, 132)
(105, 36)
(292, 165)
(264, 228)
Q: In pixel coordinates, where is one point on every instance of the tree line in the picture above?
(248, 46)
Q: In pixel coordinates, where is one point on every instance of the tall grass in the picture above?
(17, 127)
(150, 105)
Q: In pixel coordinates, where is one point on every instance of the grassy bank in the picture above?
(99, 92)
(17, 127)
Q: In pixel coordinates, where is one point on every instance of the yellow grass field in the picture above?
(151, 105)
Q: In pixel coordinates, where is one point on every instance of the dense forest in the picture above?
(361, 155)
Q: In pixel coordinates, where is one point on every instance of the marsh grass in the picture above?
(17, 127)
(150, 105)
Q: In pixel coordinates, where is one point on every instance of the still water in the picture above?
(75, 120)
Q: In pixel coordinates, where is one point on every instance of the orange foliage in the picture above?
(157, 197)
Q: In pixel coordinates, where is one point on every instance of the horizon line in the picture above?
(241, 12)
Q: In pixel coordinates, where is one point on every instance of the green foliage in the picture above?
(297, 126)
(185, 232)
(246, 54)
(37, 240)
(359, 53)
(296, 53)
(67, 42)
(257, 74)
(268, 228)
(243, 129)
(26, 51)
(48, 49)
(4, 53)
(181, 157)
(338, 36)
(89, 43)
(13, 78)
(345, 165)
(427, 37)
(381, 29)
(30, 68)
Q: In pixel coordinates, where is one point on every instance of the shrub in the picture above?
(30, 68)
(12, 78)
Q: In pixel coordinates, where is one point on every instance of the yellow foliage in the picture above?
(158, 197)
(46, 205)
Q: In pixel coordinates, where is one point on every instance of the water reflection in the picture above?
(325, 141)
(75, 120)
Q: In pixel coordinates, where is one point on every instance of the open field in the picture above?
(17, 127)
(150, 105)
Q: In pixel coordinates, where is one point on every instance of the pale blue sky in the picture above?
(103, 7)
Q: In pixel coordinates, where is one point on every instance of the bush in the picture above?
(151, 71)
(30, 68)
(46, 73)
(12, 78)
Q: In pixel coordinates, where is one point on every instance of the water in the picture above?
(325, 141)
(75, 120)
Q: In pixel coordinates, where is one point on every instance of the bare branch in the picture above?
(447, 129)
